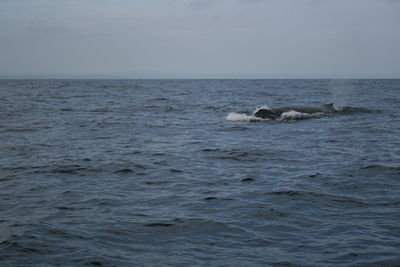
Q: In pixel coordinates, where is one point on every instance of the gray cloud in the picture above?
(200, 4)
(200, 36)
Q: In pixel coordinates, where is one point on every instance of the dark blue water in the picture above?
(151, 173)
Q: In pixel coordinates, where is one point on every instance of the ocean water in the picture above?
(173, 173)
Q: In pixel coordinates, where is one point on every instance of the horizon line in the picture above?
(193, 76)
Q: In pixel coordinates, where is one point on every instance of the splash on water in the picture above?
(289, 116)
(293, 115)
(234, 116)
(342, 91)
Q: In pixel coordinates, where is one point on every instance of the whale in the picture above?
(275, 113)
(295, 113)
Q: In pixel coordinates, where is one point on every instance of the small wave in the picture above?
(247, 179)
(124, 171)
(169, 109)
(353, 110)
(233, 116)
(157, 182)
(196, 226)
(158, 99)
(233, 128)
(293, 115)
(237, 155)
(101, 110)
(159, 224)
(211, 149)
(381, 167)
(24, 129)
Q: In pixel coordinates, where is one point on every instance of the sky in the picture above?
(201, 38)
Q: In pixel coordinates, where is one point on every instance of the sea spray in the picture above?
(343, 92)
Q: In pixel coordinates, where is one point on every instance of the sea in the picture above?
(181, 173)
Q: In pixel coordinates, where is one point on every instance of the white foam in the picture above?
(293, 115)
(233, 116)
(337, 107)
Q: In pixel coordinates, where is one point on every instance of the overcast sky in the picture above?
(247, 37)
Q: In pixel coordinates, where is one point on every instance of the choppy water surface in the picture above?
(151, 172)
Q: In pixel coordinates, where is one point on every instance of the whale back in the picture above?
(330, 107)
(266, 114)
